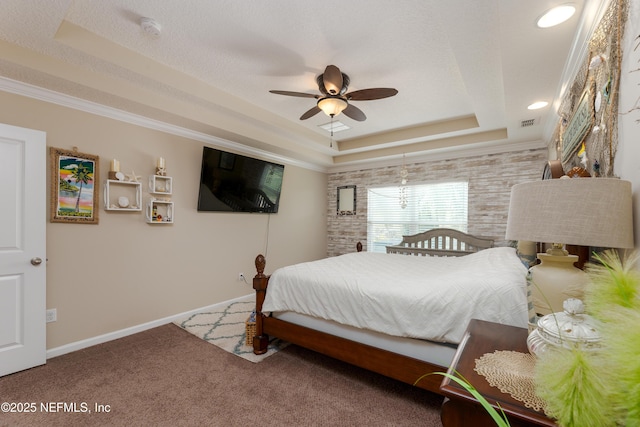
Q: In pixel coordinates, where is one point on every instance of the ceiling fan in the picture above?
(334, 98)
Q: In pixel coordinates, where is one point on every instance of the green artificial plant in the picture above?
(500, 418)
(600, 387)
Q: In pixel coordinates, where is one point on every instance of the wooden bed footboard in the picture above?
(389, 364)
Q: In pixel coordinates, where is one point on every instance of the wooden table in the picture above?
(460, 408)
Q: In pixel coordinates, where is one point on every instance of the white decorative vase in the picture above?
(555, 280)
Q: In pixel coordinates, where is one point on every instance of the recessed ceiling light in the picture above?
(538, 105)
(556, 16)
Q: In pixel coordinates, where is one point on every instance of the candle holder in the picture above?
(114, 169)
(161, 169)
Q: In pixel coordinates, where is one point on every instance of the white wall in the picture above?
(627, 161)
(124, 272)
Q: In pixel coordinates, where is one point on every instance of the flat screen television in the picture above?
(233, 183)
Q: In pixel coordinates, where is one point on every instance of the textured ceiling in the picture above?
(465, 71)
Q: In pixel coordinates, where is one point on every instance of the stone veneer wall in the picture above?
(490, 180)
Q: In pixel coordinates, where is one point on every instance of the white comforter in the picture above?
(431, 298)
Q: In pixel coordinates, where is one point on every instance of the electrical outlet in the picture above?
(52, 315)
(241, 277)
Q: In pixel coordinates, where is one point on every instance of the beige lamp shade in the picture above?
(577, 211)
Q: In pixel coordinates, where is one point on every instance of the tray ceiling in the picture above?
(465, 71)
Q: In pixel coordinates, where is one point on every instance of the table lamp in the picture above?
(593, 212)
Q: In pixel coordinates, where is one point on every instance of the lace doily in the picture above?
(512, 373)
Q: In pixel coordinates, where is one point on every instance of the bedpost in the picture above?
(260, 282)
(359, 246)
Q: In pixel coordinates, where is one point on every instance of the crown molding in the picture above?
(57, 98)
(443, 154)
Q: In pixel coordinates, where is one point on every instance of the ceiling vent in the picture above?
(528, 123)
(337, 126)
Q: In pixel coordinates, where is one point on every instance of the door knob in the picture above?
(36, 261)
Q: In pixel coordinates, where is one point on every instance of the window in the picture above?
(434, 205)
(271, 181)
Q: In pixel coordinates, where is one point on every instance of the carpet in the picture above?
(225, 328)
(166, 377)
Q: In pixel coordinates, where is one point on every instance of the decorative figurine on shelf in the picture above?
(123, 202)
(582, 154)
(161, 169)
(154, 216)
(159, 218)
(133, 177)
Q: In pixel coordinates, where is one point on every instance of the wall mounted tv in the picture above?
(234, 183)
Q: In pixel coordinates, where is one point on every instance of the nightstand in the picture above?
(460, 408)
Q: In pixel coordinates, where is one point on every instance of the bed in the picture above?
(370, 316)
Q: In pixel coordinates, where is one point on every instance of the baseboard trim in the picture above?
(79, 345)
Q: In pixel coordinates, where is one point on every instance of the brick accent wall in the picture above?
(490, 180)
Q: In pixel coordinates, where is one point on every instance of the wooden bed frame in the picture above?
(442, 242)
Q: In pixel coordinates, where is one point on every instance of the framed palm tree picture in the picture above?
(74, 193)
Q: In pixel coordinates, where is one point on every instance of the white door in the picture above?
(23, 154)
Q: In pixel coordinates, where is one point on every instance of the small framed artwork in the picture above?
(346, 200)
(74, 192)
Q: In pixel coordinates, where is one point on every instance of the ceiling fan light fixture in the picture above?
(332, 106)
(556, 16)
(332, 85)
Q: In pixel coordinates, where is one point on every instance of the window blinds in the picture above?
(431, 205)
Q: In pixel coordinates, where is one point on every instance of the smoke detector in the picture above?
(150, 26)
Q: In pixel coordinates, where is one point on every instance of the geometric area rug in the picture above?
(225, 327)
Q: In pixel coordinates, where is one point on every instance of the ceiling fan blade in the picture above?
(300, 94)
(371, 94)
(355, 113)
(332, 78)
(312, 112)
